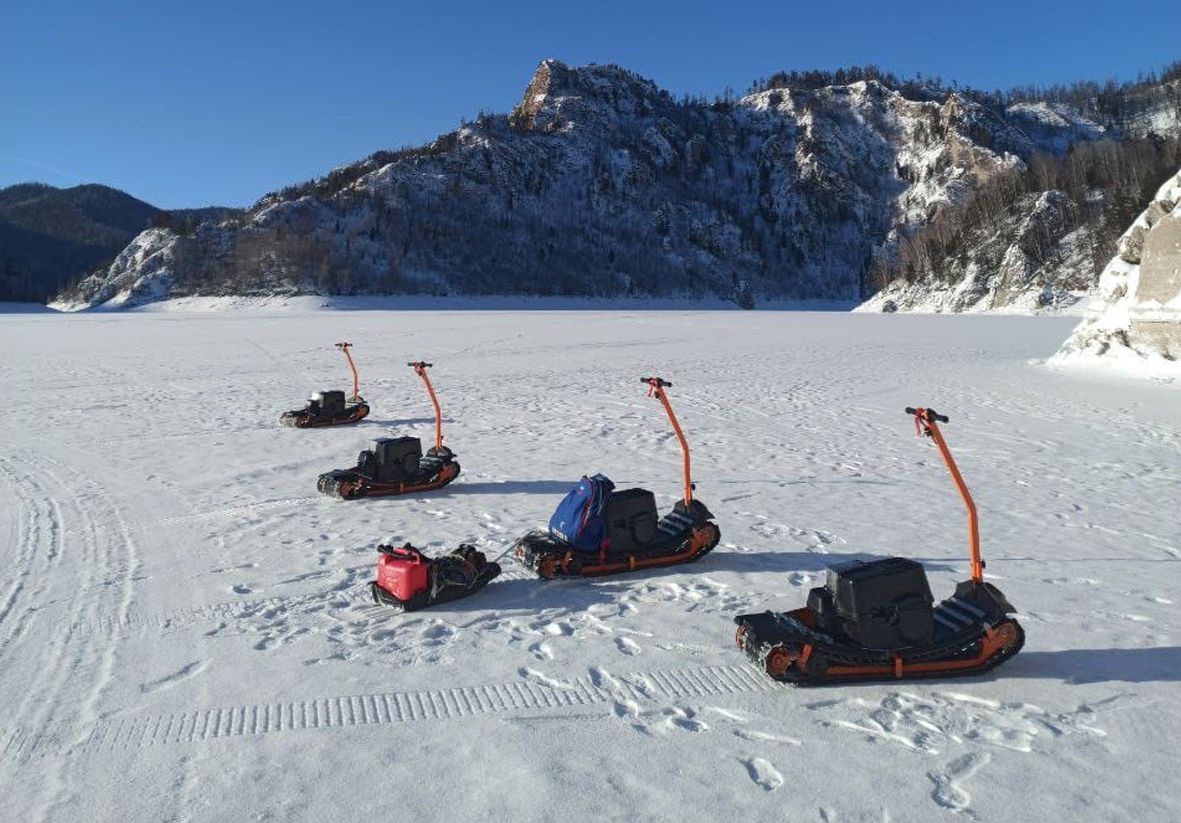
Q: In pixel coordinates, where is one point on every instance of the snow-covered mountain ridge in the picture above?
(598, 183)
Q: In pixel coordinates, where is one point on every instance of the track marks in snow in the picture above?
(38, 538)
(62, 693)
(236, 511)
(628, 695)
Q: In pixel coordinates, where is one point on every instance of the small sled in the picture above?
(396, 465)
(598, 531)
(408, 580)
(329, 408)
(875, 621)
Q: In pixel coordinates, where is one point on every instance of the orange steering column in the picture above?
(927, 417)
(344, 347)
(420, 369)
(656, 388)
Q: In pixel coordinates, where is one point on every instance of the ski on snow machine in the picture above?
(875, 621)
(328, 408)
(597, 531)
(396, 465)
(408, 580)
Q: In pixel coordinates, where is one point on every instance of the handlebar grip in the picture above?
(931, 414)
(420, 364)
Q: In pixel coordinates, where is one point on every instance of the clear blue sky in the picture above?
(217, 103)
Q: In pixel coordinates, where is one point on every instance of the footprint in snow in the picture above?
(763, 773)
(684, 719)
(436, 631)
(949, 791)
(543, 679)
(765, 737)
(169, 680)
(628, 647)
(542, 651)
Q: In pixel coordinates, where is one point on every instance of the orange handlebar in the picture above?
(656, 387)
(344, 347)
(420, 369)
(927, 418)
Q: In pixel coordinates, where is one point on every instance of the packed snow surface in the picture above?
(184, 625)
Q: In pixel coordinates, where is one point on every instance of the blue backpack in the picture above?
(579, 519)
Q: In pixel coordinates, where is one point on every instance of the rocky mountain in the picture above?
(598, 183)
(51, 236)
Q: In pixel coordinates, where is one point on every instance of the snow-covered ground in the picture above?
(184, 632)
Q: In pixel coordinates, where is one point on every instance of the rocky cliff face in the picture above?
(1152, 111)
(599, 183)
(1138, 317)
(1038, 256)
(1041, 246)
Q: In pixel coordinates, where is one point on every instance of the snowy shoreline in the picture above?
(526, 303)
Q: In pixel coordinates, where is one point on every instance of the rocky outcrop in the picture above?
(1053, 127)
(1152, 111)
(1138, 316)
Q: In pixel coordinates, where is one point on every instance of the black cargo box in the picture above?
(397, 458)
(883, 603)
(631, 519)
(329, 402)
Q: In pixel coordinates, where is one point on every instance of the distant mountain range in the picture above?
(50, 236)
(599, 183)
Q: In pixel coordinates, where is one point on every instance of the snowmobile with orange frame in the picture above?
(329, 408)
(876, 621)
(685, 534)
(396, 465)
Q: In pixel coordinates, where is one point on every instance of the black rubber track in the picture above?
(758, 653)
(533, 557)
